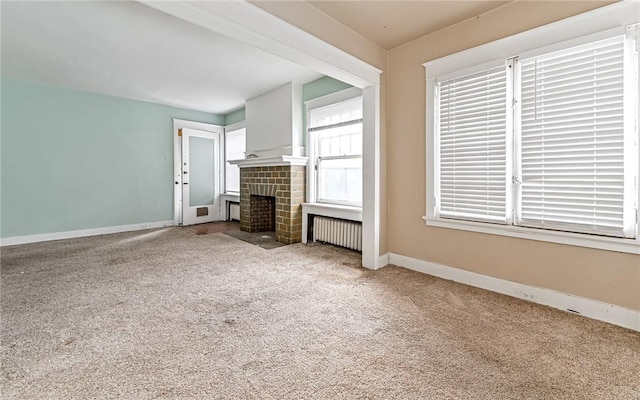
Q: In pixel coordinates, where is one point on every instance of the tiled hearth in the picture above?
(286, 185)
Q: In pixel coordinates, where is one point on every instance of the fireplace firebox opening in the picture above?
(263, 213)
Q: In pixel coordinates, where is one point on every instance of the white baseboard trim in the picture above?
(10, 241)
(613, 314)
(382, 261)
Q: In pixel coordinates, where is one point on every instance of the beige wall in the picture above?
(601, 275)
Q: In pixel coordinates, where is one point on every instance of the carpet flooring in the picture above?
(213, 227)
(266, 240)
(169, 314)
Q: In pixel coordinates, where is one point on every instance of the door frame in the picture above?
(178, 125)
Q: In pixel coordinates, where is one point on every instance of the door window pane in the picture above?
(201, 171)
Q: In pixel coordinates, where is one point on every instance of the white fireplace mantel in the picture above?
(270, 161)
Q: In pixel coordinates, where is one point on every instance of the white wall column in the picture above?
(371, 176)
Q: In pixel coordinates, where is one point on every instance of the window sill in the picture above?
(574, 239)
(234, 197)
(333, 210)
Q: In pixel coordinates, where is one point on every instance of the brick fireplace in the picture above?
(272, 195)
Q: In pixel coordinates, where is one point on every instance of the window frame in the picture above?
(312, 172)
(227, 129)
(574, 31)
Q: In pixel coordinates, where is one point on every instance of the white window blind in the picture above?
(572, 140)
(473, 146)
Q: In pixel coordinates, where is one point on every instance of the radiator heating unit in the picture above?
(339, 232)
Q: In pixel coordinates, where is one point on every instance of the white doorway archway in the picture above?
(247, 23)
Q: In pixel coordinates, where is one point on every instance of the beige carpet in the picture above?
(168, 314)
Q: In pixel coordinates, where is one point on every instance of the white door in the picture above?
(200, 176)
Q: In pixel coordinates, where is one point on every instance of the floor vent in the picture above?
(338, 231)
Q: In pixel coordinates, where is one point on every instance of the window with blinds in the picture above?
(473, 146)
(547, 141)
(572, 135)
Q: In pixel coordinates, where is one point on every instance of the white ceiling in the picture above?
(126, 49)
(129, 50)
(391, 23)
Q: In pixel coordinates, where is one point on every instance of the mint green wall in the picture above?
(234, 116)
(321, 87)
(73, 160)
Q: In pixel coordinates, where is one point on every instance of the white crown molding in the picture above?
(594, 309)
(250, 24)
(45, 237)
